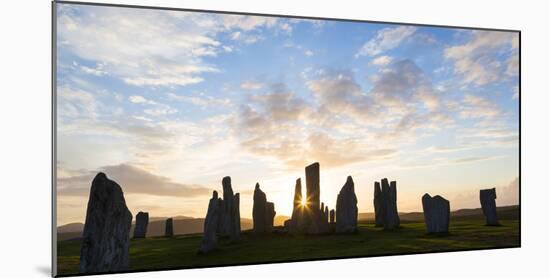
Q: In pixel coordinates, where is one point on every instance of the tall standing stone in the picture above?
(106, 235)
(169, 228)
(346, 208)
(436, 213)
(229, 213)
(378, 214)
(142, 221)
(269, 216)
(263, 212)
(312, 215)
(211, 221)
(488, 205)
(325, 215)
(322, 213)
(236, 218)
(332, 214)
(390, 216)
(297, 219)
(227, 221)
(259, 210)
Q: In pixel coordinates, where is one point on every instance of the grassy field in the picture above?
(181, 251)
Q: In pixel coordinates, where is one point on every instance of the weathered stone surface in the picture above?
(287, 224)
(169, 228)
(436, 213)
(297, 219)
(332, 214)
(263, 212)
(378, 215)
(269, 216)
(106, 235)
(346, 208)
(390, 216)
(312, 213)
(259, 210)
(488, 205)
(313, 191)
(211, 221)
(229, 213)
(142, 221)
(236, 218)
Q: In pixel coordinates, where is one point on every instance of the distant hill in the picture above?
(280, 220)
(190, 225)
(507, 212)
(182, 225)
(70, 228)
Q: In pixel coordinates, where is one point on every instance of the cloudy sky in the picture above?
(167, 103)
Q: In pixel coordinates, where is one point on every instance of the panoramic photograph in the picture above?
(189, 139)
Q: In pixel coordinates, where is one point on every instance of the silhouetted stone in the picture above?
(229, 213)
(312, 216)
(332, 214)
(346, 208)
(287, 224)
(263, 212)
(169, 228)
(488, 205)
(106, 235)
(269, 217)
(236, 218)
(390, 216)
(436, 213)
(259, 210)
(325, 215)
(142, 221)
(211, 221)
(378, 215)
(297, 223)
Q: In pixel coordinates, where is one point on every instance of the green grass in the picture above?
(181, 251)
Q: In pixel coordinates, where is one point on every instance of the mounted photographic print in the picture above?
(192, 139)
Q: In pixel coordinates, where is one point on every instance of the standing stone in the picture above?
(169, 228)
(236, 217)
(325, 215)
(390, 216)
(346, 208)
(263, 212)
(312, 215)
(270, 216)
(106, 235)
(142, 221)
(227, 221)
(209, 238)
(259, 210)
(378, 215)
(332, 214)
(436, 213)
(488, 205)
(229, 213)
(297, 223)
(322, 213)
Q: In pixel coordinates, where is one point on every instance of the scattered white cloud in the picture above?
(140, 99)
(475, 59)
(478, 107)
(132, 179)
(516, 93)
(202, 101)
(381, 61)
(308, 53)
(386, 39)
(153, 48)
(251, 85)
